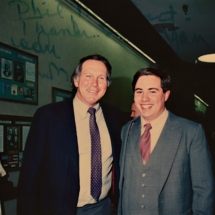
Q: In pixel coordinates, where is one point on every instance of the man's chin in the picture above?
(92, 102)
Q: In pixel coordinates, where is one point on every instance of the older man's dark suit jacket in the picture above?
(49, 178)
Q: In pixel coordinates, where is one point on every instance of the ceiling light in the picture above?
(208, 58)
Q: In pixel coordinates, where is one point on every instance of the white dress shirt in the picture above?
(82, 118)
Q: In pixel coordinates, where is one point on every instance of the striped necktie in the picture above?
(145, 143)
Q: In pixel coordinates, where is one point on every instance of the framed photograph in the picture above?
(6, 68)
(18, 75)
(13, 139)
(60, 94)
(13, 135)
(19, 72)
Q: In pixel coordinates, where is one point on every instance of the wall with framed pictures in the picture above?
(59, 36)
(13, 134)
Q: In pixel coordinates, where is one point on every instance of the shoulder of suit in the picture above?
(183, 121)
(56, 106)
(130, 123)
(111, 110)
(105, 105)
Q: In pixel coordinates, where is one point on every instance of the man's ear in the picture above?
(167, 93)
(76, 81)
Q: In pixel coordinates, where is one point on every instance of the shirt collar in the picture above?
(162, 118)
(82, 108)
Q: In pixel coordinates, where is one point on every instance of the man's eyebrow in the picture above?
(154, 88)
(138, 89)
(151, 88)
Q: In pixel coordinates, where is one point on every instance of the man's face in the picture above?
(134, 111)
(92, 82)
(149, 97)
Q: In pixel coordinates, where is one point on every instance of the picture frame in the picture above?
(18, 75)
(60, 94)
(13, 135)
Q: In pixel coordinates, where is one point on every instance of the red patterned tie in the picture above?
(96, 164)
(145, 143)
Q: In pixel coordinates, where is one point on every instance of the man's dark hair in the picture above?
(165, 78)
(78, 69)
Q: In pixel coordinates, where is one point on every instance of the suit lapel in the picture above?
(131, 134)
(109, 124)
(136, 130)
(68, 131)
(171, 136)
(112, 123)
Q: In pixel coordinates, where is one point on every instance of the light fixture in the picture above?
(70, 3)
(197, 97)
(208, 58)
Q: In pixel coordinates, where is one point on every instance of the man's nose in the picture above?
(145, 97)
(94, 81)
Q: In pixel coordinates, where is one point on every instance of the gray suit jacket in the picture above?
(186, 182)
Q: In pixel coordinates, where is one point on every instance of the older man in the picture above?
(71, 149)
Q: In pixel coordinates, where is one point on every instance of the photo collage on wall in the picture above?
(18, 75)
(13, 134)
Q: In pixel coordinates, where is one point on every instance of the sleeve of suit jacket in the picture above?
(201, 174)
(30, 171)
